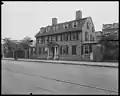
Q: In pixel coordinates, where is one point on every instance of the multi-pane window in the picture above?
(87, 25)
(66, 37)
(86, 49)
(50, 38)
(64, 49)
(49, 28)
(69, 36)
(73, 49)
(93, 30)
(63, 37)
(46, 38)
(40, 40)
(59, 37)
(39, 50)
(74, 36)
(53, 38)
(86, 36)
(74, 24)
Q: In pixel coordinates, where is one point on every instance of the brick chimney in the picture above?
(54, 21)
(78, 15)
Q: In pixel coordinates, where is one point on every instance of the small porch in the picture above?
(52, 51)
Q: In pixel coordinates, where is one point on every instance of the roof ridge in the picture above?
(66, 22)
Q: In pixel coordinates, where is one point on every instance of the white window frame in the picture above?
(40, 39)
(48, 29)
(65, 26)
(87, 36)
(74, 23)
(84, 49)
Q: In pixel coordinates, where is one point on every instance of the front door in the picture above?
(53, 51)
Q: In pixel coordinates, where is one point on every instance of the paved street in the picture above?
(20, 77)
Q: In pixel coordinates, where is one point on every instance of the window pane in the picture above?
(86, 36)
(74, 50)
(39, 50)
(87, 25)
(86, 49)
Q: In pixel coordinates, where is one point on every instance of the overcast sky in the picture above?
(21, 19)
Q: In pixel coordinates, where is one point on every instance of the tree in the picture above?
(9, 44)
(26, 42)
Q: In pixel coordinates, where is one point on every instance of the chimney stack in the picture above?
(78, 15)
(54, 21)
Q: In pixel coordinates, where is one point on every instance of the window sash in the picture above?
(86, 49)
(74, 50)
(74, 24)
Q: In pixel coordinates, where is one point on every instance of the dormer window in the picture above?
(49, 28)
(46, 29)
(65, 26)
(74, 24)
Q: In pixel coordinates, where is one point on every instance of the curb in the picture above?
(62, 63)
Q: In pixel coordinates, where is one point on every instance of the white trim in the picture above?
(65, 25)
(74, 23)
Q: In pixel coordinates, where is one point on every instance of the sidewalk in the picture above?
(101, 64)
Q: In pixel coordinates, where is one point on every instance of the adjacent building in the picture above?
(110, 28)
(71, 40)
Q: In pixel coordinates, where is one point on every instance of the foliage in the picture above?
(25, 42)
(9, 44)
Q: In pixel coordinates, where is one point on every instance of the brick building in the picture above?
(70, 40)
